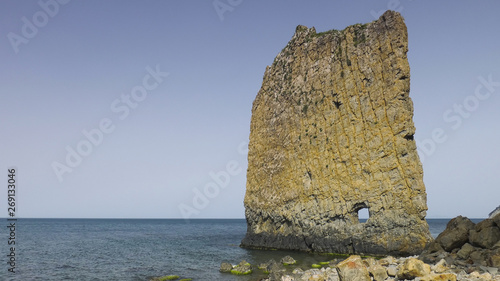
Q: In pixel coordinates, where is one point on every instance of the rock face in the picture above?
(331, 134)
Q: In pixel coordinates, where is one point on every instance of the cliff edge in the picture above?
(331, 134)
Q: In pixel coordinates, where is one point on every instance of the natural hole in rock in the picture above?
(409, 137)
(363, 215)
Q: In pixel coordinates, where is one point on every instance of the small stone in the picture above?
(298, 271)
(387, 261)
(392, 270)
(288, 260)
(225, 267)
(440, 267)
(491, 270)
(287, 278)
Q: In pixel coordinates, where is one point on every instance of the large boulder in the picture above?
(485, 235)
(485, 238)
(456, 233)
(353, 269)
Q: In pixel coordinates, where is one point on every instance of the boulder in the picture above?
(225, 267)
(456, 233)
(288, 260)
(378, 272)
(353, 269)
(485, 237)
(413, 268)
(496, 219)
(243, 268)
(465, 251)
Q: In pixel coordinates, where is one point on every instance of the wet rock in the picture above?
(225, 267)
(275, 267)
(263, 266)
(243, 268)
(288, 260)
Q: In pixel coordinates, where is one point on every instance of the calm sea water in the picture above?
(130, 249)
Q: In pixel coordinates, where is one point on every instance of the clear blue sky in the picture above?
(66, 68)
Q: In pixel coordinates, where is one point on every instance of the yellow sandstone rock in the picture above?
(331, 134)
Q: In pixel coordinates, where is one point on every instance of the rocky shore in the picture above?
(463, 251)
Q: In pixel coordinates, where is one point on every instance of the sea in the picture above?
(136, 249)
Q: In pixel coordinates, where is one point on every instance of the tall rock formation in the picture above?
(331, 134)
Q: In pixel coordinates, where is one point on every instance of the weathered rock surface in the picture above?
(225, 267)
(353, 269)
(413, 268)
(467, 245)
(456, 233)
(332, 133)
